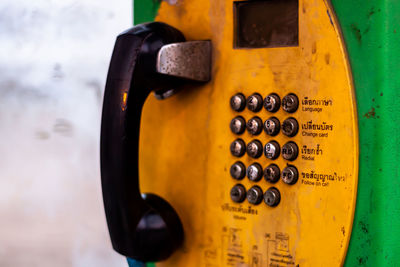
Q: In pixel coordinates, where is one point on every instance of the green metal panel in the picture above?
(371, 30)
(145, 10)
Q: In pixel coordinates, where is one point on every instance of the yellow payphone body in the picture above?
(186, 143)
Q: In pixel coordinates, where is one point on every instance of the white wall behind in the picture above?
(54, 57)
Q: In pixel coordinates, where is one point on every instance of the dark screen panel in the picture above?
(266, 23)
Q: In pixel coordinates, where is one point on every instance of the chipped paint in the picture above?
(370, 114)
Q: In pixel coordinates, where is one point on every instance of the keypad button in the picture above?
(272, 197)
(238, 170)
(272, 102)
(290, 175)
(238, 148)
(254, 126)
(272, 150)
(272, 173)
(290, 151)
(255, 195)
(238, 125)
(290, 103)
(272, 126)
(238, 102)
(238, 193)
(254, 172)
(254, 149)
(254, 102)
(290, 127)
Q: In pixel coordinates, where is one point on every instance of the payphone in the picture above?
(254, 159)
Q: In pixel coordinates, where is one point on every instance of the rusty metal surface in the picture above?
(189, 60)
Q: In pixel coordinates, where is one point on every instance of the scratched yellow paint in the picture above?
(184, 145)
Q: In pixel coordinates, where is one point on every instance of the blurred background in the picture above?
(54, 57)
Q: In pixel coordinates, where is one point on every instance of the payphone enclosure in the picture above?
(186, 140)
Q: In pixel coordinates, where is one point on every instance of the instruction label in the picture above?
(321, 179)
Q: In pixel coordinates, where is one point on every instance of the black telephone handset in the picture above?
(142, 226)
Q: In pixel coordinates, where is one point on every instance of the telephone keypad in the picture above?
(238, 170)
(254, 126)
(290, 127)
(238, 193)
(254, 149)
(238, 102)
(290, 151)
(272, 102)
(272, 149)
(272, 197)
(290, 175)
(238, 148)
(272, 126)
(290, 103)
(238, 125)
(255, 102)
(255, 195)
(255, 172)
(272, 173)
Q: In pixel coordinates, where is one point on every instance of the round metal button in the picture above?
(238, 170)
(272, 173)
(254, 149)
(272, 126)
(238, 193)
(272, 150)
(272, 102)
(290, 151)
(254, 102)
(254, 172)
(290, 103)
(238, 148)
(272, 197)
(238, 125)
(238, 102)
(290, 175)
(254, 126)
(290, 127)
(255, 195)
